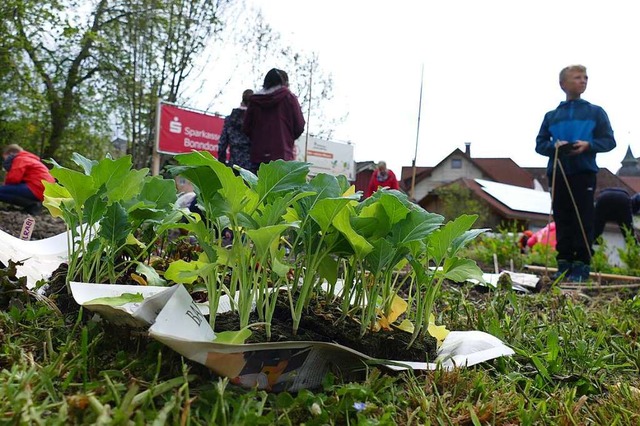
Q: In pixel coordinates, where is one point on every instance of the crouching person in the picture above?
(23, 185)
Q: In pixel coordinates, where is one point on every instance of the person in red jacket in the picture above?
(273, 120)
(381, 177)
(23, 182)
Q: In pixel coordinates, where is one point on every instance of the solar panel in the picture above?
(518, 198)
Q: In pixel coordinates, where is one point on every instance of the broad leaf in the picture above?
(94, 209)
(280, 176)
(130, 187)
(80, 186)
(395, 209)
(342, 223)
(415, 227)
(380, 256)
(114, 226)
(83, 162)
(441, 242)
(161, 192)
(263, 238)
(460, 270)
(123, 299)
(233, 337)
(325, 210)
(153, 278)
(54, 195)
(111, 173)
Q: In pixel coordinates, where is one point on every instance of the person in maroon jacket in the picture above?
(273, 120)
(23, 182)
(381, 177)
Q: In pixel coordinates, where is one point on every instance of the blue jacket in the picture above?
(572, 121)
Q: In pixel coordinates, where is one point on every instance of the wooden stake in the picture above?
(596, 275)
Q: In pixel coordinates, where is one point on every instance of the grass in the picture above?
(577, 362)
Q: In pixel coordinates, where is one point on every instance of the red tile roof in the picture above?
(505, 170)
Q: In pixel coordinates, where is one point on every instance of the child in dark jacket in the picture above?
(573, 134)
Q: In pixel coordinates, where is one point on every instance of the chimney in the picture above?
(467, 148)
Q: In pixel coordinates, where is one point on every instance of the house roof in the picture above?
(629, 165)
(496, 205)
(632, 181)
(503, 170)
(421, 173)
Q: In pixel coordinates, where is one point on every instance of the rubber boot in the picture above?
(579, 272)
(564, 270)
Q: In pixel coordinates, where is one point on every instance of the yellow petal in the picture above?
(398, 307)
(406, 325)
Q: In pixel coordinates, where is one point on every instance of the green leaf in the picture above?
(328, 269)
(124, 298)
(415, 227)
(460, 270)
(94, 209)
(83, 162)
(153, 278)
(342, 222)
(111, 173)
(380, 257)
(233, 337)
(114, 226)
(80, 186)
(396, 211)
(203, 178)
(183, 272)
(161, 192)
(129, 187)
(54, 196)
(325, 210)
(446, 241)
(280, 176)
(263, 238)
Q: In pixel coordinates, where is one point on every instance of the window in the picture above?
(456, 163)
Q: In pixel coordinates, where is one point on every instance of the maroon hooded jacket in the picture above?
(273, 121)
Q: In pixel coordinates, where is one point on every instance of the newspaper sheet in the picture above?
(39, 257)
(178, 322)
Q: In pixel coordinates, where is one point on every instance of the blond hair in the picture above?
(12, 149)
(571, 68)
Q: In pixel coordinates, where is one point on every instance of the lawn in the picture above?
(577, 362)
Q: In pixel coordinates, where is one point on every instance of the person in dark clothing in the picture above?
(234, 139)
(23, 182)
(615, 205)
(273, 120)
(571, 136)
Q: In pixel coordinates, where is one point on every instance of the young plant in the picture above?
(442, 247)
(630, 254)
(114, 214)
(252, 267)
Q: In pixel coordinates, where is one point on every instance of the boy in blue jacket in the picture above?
(574, 133)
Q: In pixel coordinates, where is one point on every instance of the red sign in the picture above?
(183, 130)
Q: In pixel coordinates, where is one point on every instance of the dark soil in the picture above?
(321, 324)
(12, 218)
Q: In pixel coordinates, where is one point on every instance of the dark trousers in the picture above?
(570, 244)
(613, 206)
(18, 194)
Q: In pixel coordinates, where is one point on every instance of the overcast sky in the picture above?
(490, 71)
